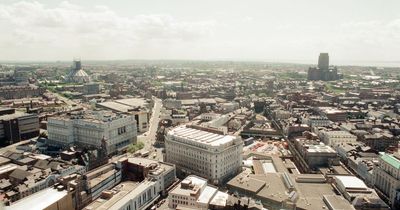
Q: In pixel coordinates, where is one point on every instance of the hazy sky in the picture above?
(266, 30)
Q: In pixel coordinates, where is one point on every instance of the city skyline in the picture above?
(269, 31)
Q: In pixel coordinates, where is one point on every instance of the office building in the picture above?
(335, 138)
(314, 154)
(210, 155)
(18, 126)
(387, 178)
(90, 128)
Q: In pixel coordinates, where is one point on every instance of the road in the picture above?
(149, 137)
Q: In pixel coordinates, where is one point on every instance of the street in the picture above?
(149, 137)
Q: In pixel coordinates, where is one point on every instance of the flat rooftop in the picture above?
(196, 181)
(220, 199)
(351, 182)
(200, 136)
(207, 194)
(337, 202)
(118, 192)
(39, 200)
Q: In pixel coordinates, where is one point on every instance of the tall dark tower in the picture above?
(77, 65)
(323, 61)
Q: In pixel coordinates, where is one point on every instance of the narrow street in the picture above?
(149, 137)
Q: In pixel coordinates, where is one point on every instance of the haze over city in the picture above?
(359, 32)
(199, 105)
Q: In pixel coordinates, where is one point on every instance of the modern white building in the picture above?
(194, 193)
(387, 177)
(334, 138)
(213, 156)
(91, 128)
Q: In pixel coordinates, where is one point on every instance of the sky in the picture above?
(253, 30)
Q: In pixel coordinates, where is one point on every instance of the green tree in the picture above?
(135, 147)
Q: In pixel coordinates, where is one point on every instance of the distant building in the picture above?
(323, 71)
(20, 91)
(77, 74)
(323, 61)
(213, 156)
(22, 74)
(89, 129)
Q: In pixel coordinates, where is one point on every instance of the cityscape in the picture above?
(175, 131)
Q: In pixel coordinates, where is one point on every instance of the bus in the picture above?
(145, 153)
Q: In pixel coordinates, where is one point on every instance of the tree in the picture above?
(135, 147)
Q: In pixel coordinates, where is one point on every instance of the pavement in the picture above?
(149, 137)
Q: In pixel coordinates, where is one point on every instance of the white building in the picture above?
(316, 121)
(193, 193)
(206, 154)
(387, 177)
(334, 138)
(90, 128)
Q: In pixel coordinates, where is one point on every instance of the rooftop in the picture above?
(39, 200)
(351, 182)
(390, 159)
(117, 193)
(195, 183)
(200, 136)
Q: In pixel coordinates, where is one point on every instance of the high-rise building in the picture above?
(323, 71)
(210, 155)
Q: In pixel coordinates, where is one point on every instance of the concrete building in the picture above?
(150, 180)
(90, 128)
(193, 193)
(312, 154)
(387, 178)
(334, 138)
(20, 91)
(213, 156)
(18, 126)
(356, 192)
(316, 121)
(139, 107)
(48, 199)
